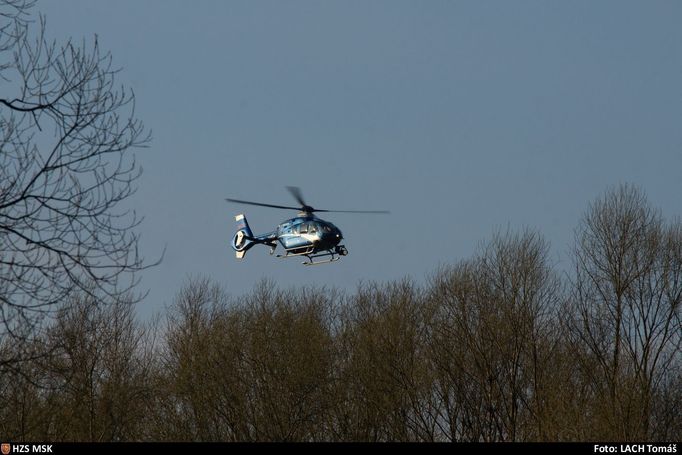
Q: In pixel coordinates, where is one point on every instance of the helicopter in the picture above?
(304, 235)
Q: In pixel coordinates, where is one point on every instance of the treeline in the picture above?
(499, 347)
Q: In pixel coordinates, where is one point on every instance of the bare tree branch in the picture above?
(67, 135)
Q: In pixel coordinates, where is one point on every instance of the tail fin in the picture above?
(243, 239)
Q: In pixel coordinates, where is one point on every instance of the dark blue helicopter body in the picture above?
(303, 231)
(304, 235)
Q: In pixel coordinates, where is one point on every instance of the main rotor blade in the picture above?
(353, 211)
(296, 193)
(239, 201)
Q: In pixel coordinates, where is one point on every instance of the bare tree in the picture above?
(627, 313)
(95, 384)
(66, 167)
(491, 342)
(250, 369)
(383, 387)
(202, 396)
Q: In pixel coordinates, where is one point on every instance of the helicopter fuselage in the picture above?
(305, 235)
(306, 231)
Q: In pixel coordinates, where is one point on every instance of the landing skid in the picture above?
(334, 255)
(333, 258)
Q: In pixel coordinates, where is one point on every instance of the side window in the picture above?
(295, 230)
(304, 228)
(312, 228)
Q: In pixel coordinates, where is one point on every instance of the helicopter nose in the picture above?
(333, 238)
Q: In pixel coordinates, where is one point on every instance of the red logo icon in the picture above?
(5, 448)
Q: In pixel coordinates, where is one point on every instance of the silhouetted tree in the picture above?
(627, 300)
(255, 369)
(383, 387)
(492, 341)
(94, 384)
(66, 165)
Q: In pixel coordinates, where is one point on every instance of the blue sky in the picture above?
(459, 117)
